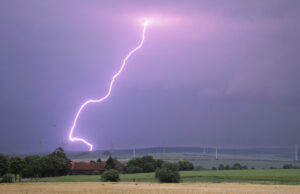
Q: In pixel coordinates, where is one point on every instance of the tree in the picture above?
(146, 163)
(148, 167)
(237, 166)
(185, 165)
(33, 166)
(17, 166)
(99, 160)
(55, 164)
(168, 173)
(289, 166)
(4, 164)
(135, 162)
(92, 161)
(110, 164)
(147, 159)
(221, 167)
(158, 163)
(134, 169)
(227, 167)
(213, 168)
(111, 175)
(106, 153)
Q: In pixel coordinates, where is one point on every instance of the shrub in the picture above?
(168, 173)
(289, 166)
(7, 178)
(221, 167)
(199, 168)
(227, 167)
(237, 166)
(96, 172)
(146, 163)
(185, 165)
(111, 175)
(134, 169)
(148, 167)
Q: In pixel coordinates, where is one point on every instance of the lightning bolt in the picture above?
(71, 138)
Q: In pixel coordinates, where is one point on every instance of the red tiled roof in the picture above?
(118, 163)
(90, 166)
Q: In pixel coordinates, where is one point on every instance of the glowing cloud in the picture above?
(71, 138)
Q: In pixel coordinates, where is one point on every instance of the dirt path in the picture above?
(145, 188)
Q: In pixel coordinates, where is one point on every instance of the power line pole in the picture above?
(296, 153)
(112, 147)
(41, 146)
(134, 150)
(164, 146)
(216, 153)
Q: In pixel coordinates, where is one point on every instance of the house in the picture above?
(78, 168)
(87, 167)
(118, 164)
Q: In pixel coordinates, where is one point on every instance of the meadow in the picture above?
(261, 176)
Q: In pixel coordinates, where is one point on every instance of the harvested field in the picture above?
(143, 188)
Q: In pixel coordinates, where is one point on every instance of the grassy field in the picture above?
(267, 176)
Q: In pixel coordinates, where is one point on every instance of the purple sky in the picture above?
(219, 73)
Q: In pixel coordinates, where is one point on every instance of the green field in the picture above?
(267, 176)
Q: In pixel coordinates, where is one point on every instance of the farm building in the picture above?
(78, 168)
(87, 167)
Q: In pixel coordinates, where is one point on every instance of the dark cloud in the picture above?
(211, 72)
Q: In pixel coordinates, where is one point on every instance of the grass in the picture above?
(265, 176)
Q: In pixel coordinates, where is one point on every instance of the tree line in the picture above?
(149, 164)
(236, 166)
(164, 171)
(31, 166)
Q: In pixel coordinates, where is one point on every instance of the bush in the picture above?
(7, 178)
(96, 172)
(289, 166)
(221, 167)
(185, 165)
(110, 176)
(148, 167)
(199, 168)
(237, 166)
(134, 169)
(168, 173)
(146, 163)
(227, 167)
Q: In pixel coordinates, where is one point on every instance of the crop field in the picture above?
(143, 188)
(267, 176)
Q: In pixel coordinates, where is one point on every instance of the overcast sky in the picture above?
(215, 73)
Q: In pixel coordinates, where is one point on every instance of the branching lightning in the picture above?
(71, 138)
